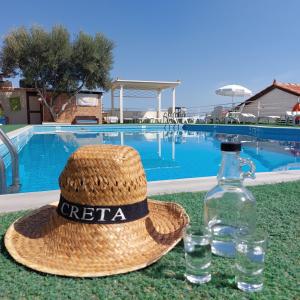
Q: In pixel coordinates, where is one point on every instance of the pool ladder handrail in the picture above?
(3, 187)
(171, 120)
(15, 186)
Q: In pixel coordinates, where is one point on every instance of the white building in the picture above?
(275, 100)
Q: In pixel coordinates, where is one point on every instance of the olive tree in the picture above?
(54, 64)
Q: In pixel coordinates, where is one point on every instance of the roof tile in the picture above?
(293, 87)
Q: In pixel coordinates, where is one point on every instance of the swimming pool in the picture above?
(191, 151)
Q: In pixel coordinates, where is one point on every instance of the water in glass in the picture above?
(250, 258)
(197, 254)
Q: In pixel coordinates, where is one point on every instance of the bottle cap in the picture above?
(231, 146)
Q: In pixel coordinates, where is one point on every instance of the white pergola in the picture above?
(141, 89)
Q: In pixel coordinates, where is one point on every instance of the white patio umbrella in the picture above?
(233, 90)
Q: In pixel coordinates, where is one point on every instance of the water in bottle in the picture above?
(229, 206)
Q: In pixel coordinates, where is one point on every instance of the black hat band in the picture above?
(114, 214)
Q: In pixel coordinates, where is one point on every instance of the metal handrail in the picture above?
(171, 121)
(3, 187)
(15, 186)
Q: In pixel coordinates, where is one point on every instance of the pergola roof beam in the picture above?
(144, 85)
(136, 96)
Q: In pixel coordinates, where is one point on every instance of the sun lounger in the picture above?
(232, 117)
(239, 117)
(192, 119)
(111, 119)
(149, 117)
(128, 120)
(274, 119)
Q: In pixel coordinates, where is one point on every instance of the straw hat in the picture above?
(103, 223)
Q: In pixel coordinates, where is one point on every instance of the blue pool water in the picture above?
(165, 154)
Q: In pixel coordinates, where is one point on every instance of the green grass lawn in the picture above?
(11, 127)
(278, 213)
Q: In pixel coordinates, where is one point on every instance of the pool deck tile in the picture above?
(23, 201)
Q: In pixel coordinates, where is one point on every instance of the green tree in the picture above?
(53, 63)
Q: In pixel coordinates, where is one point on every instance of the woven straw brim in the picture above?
(46, 242)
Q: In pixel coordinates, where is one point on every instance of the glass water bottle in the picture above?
(229, 205)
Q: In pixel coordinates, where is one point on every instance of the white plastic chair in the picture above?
(292, 115)
(239, 116)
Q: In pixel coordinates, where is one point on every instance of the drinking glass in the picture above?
(250, 257)
(197, 247)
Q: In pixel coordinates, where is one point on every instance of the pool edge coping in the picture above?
(31, 200)
(14, 133)
(245, 125)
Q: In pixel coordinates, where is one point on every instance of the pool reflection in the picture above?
(165, 154)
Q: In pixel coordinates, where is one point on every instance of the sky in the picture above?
(203, 43)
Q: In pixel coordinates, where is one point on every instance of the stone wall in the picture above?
(73, 110)
(14, 117)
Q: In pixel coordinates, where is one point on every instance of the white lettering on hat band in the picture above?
(85, 213)
(119, 214)
(102, 214)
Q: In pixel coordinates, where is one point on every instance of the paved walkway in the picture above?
(23, 201)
